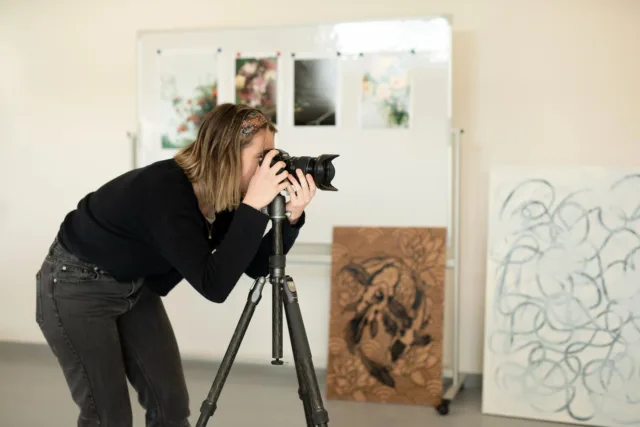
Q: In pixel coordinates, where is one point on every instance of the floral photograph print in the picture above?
(188, 91)
(385, 100)
(385, 328)
(256, 81)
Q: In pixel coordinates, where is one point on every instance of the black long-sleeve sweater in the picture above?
(147, 224)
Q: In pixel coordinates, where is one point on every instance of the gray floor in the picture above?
(33, 393)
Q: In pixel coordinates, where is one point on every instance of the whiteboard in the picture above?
(387, 175)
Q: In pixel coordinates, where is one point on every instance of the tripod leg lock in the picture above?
(320, 417)
(208, 408)
(290, 290)
(255, 295)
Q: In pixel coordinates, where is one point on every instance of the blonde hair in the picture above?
(213, 162)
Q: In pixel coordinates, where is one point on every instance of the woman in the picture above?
(195, 217)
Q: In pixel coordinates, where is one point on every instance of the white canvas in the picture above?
(562, 326)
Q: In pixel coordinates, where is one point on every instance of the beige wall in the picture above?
(534, 82)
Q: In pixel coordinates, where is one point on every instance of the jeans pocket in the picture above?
(67, 272)
(39, 297)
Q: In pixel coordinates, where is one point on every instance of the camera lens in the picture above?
(320, 168)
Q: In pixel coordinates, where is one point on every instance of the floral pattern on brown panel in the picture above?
(385, 334)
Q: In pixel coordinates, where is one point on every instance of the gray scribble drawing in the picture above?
(563, 298)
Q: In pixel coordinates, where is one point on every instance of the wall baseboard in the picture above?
(22, 351)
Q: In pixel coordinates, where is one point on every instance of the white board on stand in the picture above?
(394, 174)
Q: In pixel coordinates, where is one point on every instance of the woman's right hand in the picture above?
(266, 183)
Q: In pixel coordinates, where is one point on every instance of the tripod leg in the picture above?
(209, 405)
(302, 387)
(308, 383)
(276, 325)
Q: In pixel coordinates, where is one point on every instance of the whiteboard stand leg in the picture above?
(133, 140)
(457, 377)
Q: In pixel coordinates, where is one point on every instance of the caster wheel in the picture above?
(443, 407)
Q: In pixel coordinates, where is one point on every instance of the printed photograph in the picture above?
(256, 81)
(315, 92)
(386, 91)
(188, 91)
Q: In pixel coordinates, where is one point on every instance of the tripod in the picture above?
(284, 296)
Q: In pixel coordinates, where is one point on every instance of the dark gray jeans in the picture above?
(103, 332)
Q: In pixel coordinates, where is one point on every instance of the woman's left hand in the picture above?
(301, 191)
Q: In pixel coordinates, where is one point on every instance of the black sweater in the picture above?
(147, 224)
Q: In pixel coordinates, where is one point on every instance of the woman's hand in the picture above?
(266, 183)
(301, 192)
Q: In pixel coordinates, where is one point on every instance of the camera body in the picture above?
(320, 168)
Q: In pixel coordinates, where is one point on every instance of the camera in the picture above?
(320, 168)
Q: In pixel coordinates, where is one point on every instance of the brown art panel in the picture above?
(385, 332)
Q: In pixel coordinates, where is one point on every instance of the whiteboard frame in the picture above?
(320, 253)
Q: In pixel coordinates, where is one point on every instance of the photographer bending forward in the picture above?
(195, 217)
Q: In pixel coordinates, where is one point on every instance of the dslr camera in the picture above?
(320, 168)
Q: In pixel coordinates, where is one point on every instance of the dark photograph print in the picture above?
(315, 92)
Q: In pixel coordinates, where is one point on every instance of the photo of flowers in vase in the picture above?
(188, 91)
(191, 112)
(256, 81)
(386, 91)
